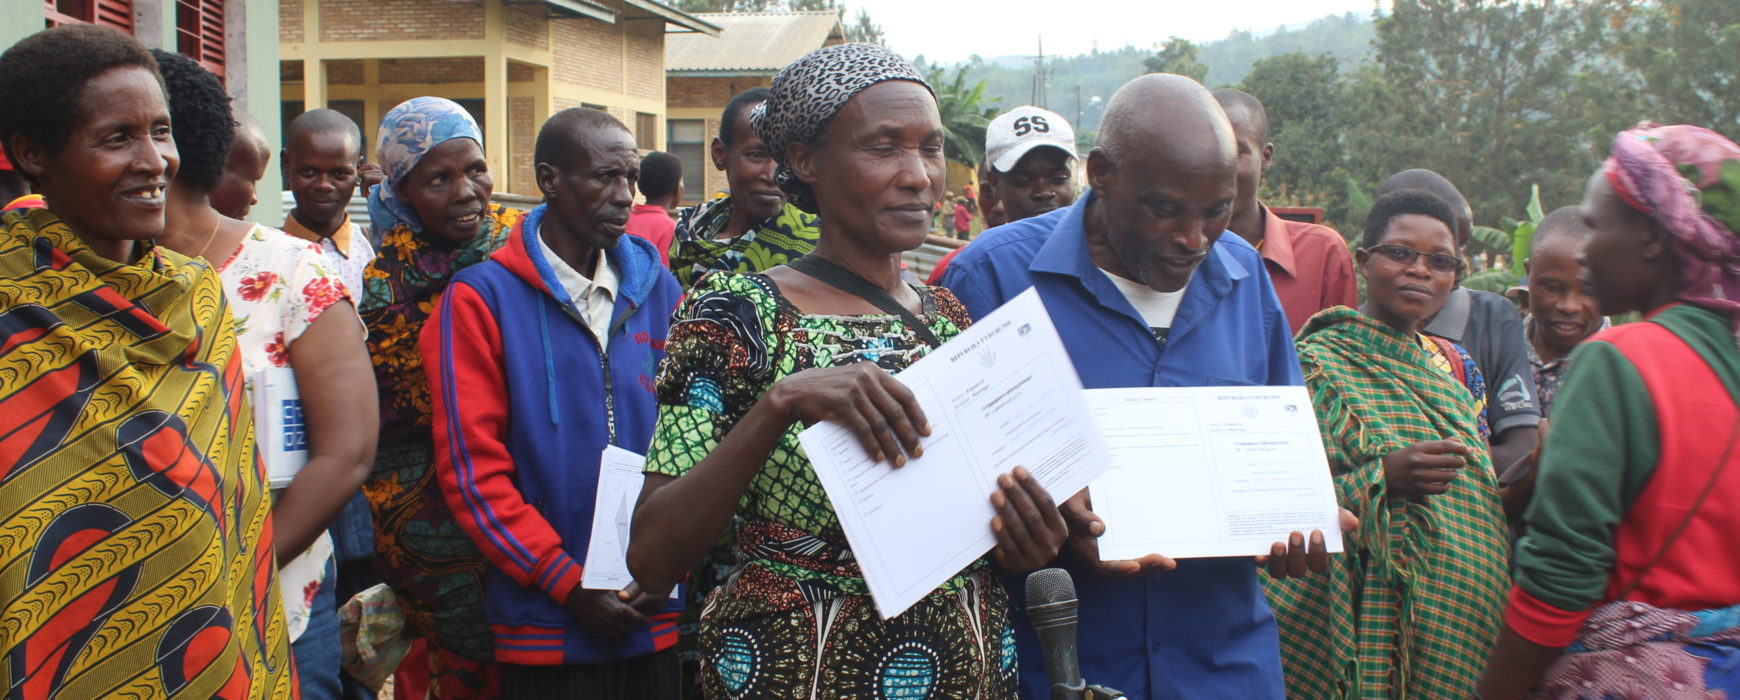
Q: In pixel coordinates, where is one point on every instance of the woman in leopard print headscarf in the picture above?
(752, 359)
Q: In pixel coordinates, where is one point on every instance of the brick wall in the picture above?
(521, 73)
(527, 25)
(348, 72)
(587, 53)
(711, 93)
(290, 21)
(523, 126)
(561, 103)
(290, 71)
(645, 40)
(458, 69)
(399, 20)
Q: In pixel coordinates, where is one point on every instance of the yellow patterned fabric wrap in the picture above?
(135, 537)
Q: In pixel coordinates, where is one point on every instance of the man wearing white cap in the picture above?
(1028, 154)
(1029, 151)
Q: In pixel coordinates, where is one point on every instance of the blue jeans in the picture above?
(317, 650)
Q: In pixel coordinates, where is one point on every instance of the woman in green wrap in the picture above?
(1412, 606)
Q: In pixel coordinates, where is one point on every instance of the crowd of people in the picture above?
(464, 367)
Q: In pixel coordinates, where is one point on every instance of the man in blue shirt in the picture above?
(1147, 291)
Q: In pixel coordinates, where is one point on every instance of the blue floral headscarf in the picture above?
(408, 133)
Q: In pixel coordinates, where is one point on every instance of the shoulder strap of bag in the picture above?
(849, 282)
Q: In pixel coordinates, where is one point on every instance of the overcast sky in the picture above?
(947, 31)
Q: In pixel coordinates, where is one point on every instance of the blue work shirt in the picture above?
(1203, 630)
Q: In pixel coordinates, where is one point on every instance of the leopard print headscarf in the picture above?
(809, 92)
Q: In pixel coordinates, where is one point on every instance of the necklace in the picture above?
(208, 239)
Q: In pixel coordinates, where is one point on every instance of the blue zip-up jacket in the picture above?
(525, 399)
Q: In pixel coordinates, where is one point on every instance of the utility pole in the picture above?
(1077, 103)
(1039, 78)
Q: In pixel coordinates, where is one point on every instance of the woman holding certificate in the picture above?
(1414, 613)
(755, 358)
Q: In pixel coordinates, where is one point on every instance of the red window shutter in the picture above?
(199, 32)
(109, 13)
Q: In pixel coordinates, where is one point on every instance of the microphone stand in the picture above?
(1083, 691)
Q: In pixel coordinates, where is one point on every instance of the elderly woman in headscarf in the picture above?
(754, 358)
(437, 219)
(1628, 580)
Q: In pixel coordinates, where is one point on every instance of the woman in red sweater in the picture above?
(1628, 581)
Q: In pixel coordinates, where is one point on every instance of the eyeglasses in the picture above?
(1403, 255)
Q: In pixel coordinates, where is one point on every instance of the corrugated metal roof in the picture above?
(750, 42)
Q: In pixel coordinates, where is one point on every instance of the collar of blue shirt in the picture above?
(1066, 254)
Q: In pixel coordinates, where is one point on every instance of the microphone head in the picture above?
(1047, 586)
(1051, 605)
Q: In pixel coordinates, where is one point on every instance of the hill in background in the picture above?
(1009, 79)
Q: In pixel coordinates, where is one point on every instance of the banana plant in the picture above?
(1511, 246)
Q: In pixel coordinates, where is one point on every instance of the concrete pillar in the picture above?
(19, 20)
(154, 23)
(313, 84)
(251, 61)
(372, 111)
(495, 94)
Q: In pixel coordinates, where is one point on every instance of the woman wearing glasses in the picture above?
(1414, 606)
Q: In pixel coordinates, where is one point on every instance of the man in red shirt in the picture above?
(963, 219)
(661, 183)
(1308, 263)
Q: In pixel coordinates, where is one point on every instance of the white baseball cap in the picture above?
(1015, 132)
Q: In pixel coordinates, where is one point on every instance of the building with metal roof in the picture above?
(703, 73)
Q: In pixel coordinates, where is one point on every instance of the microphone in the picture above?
(1051, 605)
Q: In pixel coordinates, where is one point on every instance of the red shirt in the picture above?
(654, 224)
(962, 218)
(1310, 266)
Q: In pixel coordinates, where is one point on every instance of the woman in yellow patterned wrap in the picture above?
(135, 537)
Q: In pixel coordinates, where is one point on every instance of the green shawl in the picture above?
(1413, 607)
(696, 248)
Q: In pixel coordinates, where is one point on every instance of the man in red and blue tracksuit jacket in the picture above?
(525, 400)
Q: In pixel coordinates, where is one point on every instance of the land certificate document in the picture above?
(1002, 394)
(1210, 471)
(619, 479)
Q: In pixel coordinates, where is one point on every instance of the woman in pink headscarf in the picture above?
(1627, 583)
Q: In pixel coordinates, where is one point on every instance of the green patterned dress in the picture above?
(794, 618)
(696, 248)
(1414, 607)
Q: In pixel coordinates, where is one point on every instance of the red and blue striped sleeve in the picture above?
(463, 356)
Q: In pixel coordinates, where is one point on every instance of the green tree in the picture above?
(1482, 91)
(1303, 96)
(862, 28)
(1684, 58)
(1177, 56)
(964, 113)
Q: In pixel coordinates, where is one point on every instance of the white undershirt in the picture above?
(1157, 308)
(595, 298)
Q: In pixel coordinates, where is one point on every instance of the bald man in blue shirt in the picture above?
(1147, 291)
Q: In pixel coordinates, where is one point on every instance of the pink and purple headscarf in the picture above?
(1663, 171)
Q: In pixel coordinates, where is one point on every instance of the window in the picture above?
(646, 128)
(199, 32)
(109, 13)
(687, 140)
